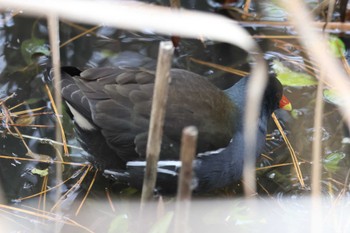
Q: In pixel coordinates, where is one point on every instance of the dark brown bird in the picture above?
(111, 109)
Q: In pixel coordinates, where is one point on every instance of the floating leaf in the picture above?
(337, 46)
(331, 162)
(40, 172)
(119, 224)
(32, 47)
(290, 78)
(333, 97)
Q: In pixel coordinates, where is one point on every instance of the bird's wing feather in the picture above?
(120, 102)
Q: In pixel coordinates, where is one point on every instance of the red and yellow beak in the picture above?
(285, 104)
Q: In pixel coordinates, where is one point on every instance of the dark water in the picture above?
(25, 75)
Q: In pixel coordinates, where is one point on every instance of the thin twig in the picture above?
(51, 188)
(87, 193)
(9, 119)
(42, 140)
(75, 186)
(220, 67)
(80, 35)
(42, 160)
(46, 216)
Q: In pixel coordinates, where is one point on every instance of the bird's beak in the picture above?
(285, 104)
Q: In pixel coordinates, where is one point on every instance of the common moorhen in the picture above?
(111, 109)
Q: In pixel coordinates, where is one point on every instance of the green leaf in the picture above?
(32, 47)
(333, 97)
(120, 224)
(40, 172)
(162, 226)
(337, 46)
(290, 78)
(331, 162)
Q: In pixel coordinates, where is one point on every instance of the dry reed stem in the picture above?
(77, 26)
(42, 196)
(9, 119)
(45, 215)
(187, 154)
(184, 190)
(87, 193)
(108, 195)
(25, 111)
(7, 98)
(220, 67)
(291, 150)
(53, 26)
(33, 126)
(256, 86)
(277, 165)
(317, 141)
(159, 99)
(42, 140)
(80, 35)
(320, 7)
(24, 115)
(331, 6)
(58, 119)
(17, 106)
(246, 9)
(42, 160)
(316, 172)
(76, 185)
(49, 189)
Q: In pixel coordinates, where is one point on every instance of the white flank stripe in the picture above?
(166, 171)
(162, 163)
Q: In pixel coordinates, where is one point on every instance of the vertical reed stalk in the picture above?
(155, 132)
